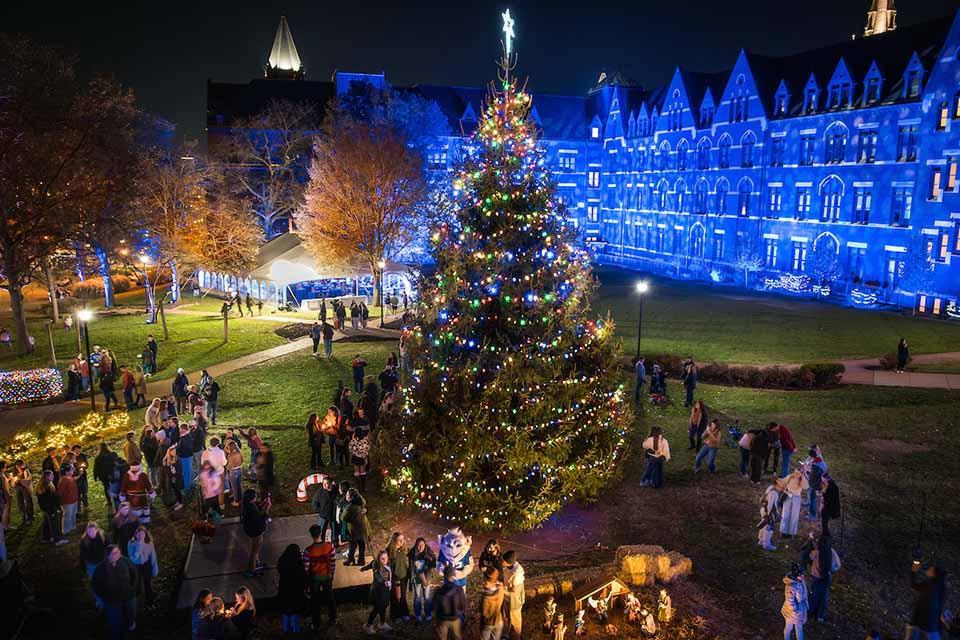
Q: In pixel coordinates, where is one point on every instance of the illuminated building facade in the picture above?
(828, 173)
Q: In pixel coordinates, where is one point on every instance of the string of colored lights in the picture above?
(515, 405)
(30, 385)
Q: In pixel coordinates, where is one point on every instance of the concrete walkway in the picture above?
(14, 420)
(869, 372)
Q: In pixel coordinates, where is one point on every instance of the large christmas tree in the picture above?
(515, 405)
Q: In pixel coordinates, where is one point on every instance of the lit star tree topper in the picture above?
(508, 34)
(515, 405)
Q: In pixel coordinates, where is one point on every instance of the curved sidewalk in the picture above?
(868, 371)
(13, 420)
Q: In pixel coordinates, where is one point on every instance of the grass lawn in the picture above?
(885, 447)
(212, 304)
(195, 341)
(944, 366)
(716, 323)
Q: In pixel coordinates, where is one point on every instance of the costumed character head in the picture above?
(455, 551)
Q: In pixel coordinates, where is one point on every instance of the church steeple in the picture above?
(284, 60)
(881, 17)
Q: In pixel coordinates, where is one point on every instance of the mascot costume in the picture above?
(455, 551)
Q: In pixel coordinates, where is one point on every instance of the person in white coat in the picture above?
(793, 485)
(795, 603)
(769, 514)
(218, 460)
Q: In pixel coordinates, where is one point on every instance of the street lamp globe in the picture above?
(85, 315)
(381, 264)
(643, 286)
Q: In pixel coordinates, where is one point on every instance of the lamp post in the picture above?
(642, 288)
(382, 265)
(84, 316)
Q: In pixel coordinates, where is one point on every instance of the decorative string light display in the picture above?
(94, 426)
(515, 404)
(30, 385)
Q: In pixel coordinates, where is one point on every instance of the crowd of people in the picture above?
(103, 371)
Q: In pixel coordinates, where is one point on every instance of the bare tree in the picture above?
(365, 195)
(268, 153)
(55, 136)
(748, 258)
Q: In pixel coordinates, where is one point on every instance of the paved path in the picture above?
(869, 372)
(15, 420)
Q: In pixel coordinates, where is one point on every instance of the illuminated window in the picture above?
(836, 145)
(807, 145)
(902, 205)
(724, 158)
(568, 162)
(952, 173)
(722, 190)
(936, 306)
(799, 262)
(594, 132)
(907, 143)
(935, 177)
(775, 201)
(944, 247)
(830, 195)
(868, 146)
(922, 304)
(746, 150)
(803, 202)
(593, 179)
(718, 246)
(770, 254)
(862, 201)
(943, 116)
(744, 191)
(593, 213)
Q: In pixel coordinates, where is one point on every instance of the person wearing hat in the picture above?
(136, 489)
(795, 603)
(179, 390)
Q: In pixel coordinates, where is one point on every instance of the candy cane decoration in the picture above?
(309, 481)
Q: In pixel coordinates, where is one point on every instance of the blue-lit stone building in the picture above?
(831, 172)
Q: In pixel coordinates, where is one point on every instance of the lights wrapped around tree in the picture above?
(515, 405)
(30, 385)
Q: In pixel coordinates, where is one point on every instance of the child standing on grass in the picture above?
(795, 604)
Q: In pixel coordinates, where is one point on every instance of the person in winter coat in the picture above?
(291, 588)
(815, 468)
(769, 514)
(123, 525)
(140, 387)
(315, 440)
(423, 564)
(712, 438)
(515, 593)
(179, 390)
(358, 365)
(380, 588)
(400, 565)
(325, 504)
(107, 388)
(824, 562)
(185, 456)
(928, 586)
(131, 452)
(450, 607)
(253, 518)
(23, 488)
(656, 452)
(128, 385)
(358, 527)
(69, 496)
(689, 380)
(320, 564)
(370, 403)
(210, 392)
(903, 355)
(148, 448)
(149, 361)
(115, 585)
(327, 332)
(49, 503)
(330, 427)
(103, 466)
(171, 480)
(93, 548)
(492, 557)
(759, 450)
(143, 555)
(787, 447)
(744, 446)
(795, 603)
(697, 425)
(793, 486)
(359, 447)
(831, 502)
(491, 606)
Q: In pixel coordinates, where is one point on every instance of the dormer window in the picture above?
(840, 95)
(706, 117)
(594, 132)
(872, 91)
(780, 105)
(912, 82)
(810, 100)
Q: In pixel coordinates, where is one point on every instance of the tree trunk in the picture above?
(163, 321)
(174, 283)
(151, 300)
(376, 285)
(53, 348)
(105, 274)
(52, 288)
(80, 263)
(19, 315)
(225, 324)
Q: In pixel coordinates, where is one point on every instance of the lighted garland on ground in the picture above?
(515, 405)
(30, 385)
(32, 445)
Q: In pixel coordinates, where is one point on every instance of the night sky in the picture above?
(167, 50)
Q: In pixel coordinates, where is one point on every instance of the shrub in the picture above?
(825, 374)
(807, 376)
(889, 360)
(93, 287)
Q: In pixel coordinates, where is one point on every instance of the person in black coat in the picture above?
(928, 594)
(325, 504)
(293, 582)
(103, 466)
(759, 450)
(903, 355)
(831, 502)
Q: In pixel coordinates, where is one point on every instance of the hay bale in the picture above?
(644, 565)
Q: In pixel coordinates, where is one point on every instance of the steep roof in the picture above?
(284, 54)
(891, 50)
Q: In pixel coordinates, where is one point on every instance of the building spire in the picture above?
(284, 60)
(881, 17)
